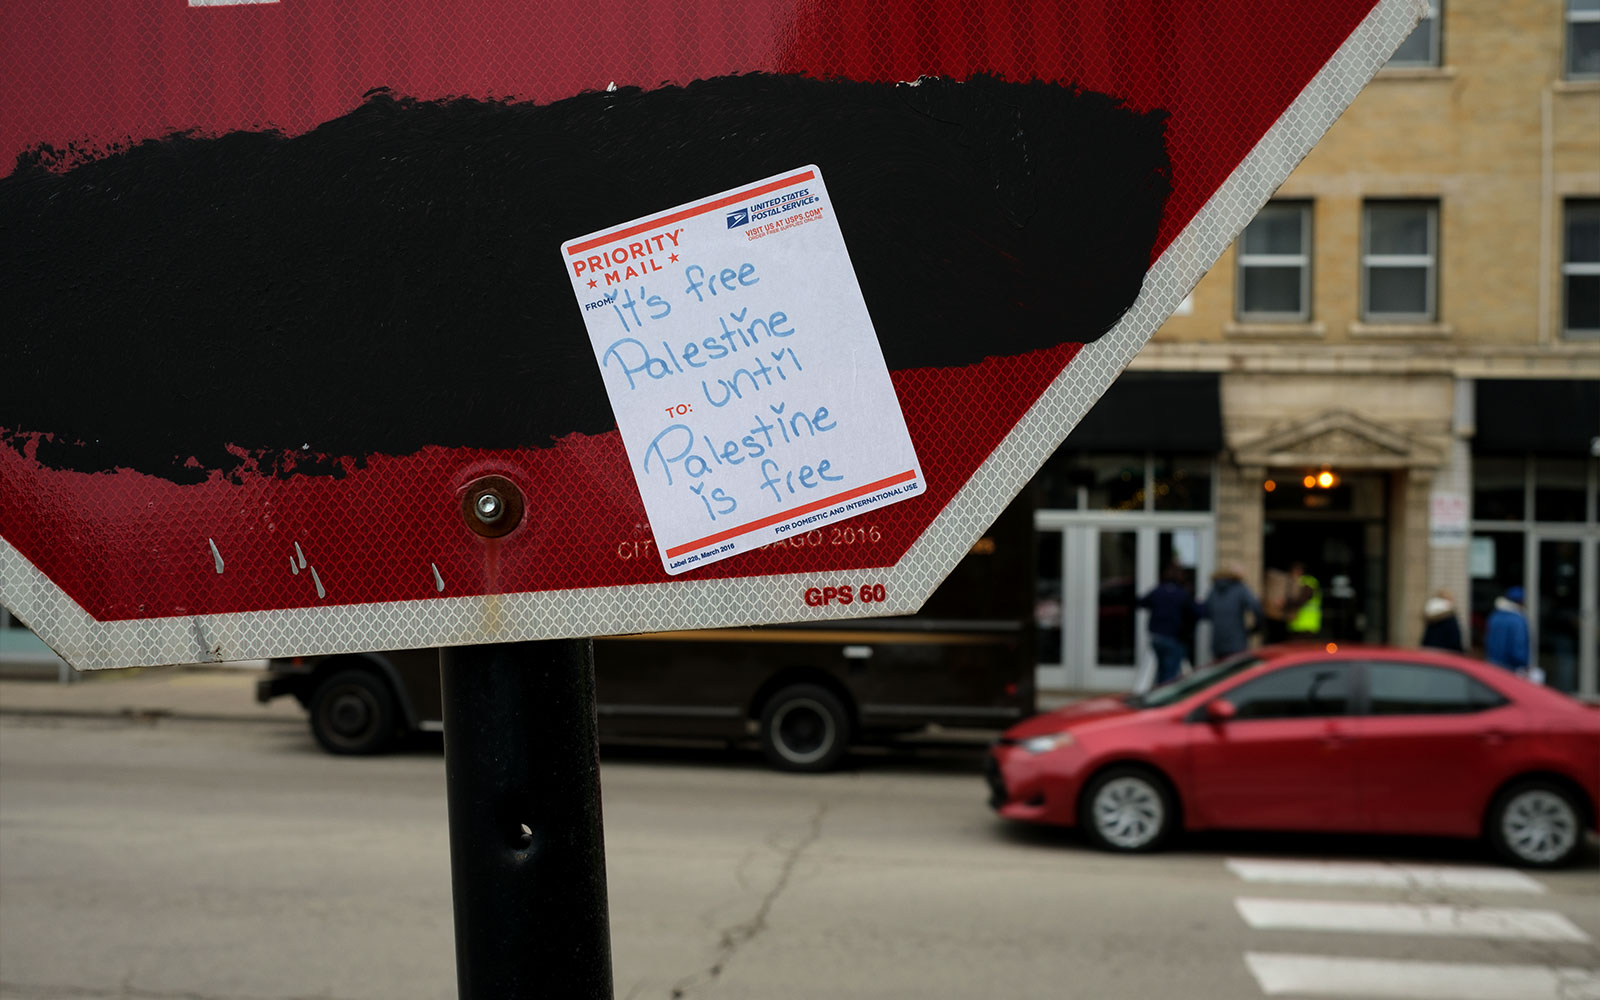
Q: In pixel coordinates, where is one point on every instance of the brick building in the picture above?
(1416, 314)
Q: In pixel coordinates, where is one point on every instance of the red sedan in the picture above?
(1353, 739)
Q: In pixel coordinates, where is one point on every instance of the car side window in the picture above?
(1414, 689)
(1307, 691)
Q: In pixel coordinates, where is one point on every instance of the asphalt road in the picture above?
(158, 859)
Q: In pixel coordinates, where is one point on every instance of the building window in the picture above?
(1583, 39)
(1580, 269)
(1275, 264)
(1421, 47)
(1399, 261)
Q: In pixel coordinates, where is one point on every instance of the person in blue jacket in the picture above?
(1234, 612)
(1172, 613)
(1505, 637)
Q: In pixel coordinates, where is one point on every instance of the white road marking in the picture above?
(1321, 976)
(1404, 918)
(1378, 874)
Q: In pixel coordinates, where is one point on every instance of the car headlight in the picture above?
(1044, 744)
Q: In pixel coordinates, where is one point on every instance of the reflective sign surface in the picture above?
(288, 293)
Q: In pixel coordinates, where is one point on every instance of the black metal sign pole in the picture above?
(527, 855)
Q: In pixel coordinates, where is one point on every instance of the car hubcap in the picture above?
(1540, 826)
(804, 731)
(1128, 812)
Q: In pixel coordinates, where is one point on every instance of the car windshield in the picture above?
(1175, 691)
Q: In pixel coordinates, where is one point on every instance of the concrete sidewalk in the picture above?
(186, 692)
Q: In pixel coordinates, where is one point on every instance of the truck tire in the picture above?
(353, 712)
(804, 727)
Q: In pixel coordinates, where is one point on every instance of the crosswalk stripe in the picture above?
(1378, 874)
(1404, 918)
(1321, 976)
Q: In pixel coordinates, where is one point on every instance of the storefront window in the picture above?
(1550, 548)
(1497, 489)
(1126, 481)
(1560, 488)
(1059, 481)
(1117, 483)
(1182, 483)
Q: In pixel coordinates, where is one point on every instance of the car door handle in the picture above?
(1494, 737)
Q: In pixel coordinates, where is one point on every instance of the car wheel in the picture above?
(1537, 824)
(804, 728)
(353, 712)
(1127, 809)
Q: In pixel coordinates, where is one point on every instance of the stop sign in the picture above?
(296, 366)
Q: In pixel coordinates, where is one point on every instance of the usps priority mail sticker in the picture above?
(743, 369)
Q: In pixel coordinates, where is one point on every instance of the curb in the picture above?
(133, 714)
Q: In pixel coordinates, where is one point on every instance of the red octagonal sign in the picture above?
(377, 324)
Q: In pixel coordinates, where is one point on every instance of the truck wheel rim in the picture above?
(1539, 826)
(1128, 812)
(351, 713)
(802, 730)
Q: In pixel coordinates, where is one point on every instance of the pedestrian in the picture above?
(1304, 606)
(1171, 608)
(1228, 604)
(1505, 636)
(1441, 629)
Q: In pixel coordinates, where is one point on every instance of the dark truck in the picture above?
(806, 691)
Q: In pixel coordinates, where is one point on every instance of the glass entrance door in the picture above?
(1563, 620)
(1117, 585)
(1092, 635)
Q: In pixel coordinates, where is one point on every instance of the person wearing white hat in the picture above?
(1441, 629)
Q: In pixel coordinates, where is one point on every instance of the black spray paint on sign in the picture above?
(391, 279)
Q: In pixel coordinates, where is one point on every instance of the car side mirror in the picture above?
(1220, 710)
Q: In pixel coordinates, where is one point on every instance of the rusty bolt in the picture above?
(492, 506)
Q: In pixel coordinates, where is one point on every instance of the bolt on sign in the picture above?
(301, 359)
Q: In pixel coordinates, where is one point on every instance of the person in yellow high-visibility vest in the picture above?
(1304, 609)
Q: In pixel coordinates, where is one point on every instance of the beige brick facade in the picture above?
(1498, 139)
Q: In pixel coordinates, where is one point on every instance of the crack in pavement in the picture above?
(741, 934)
